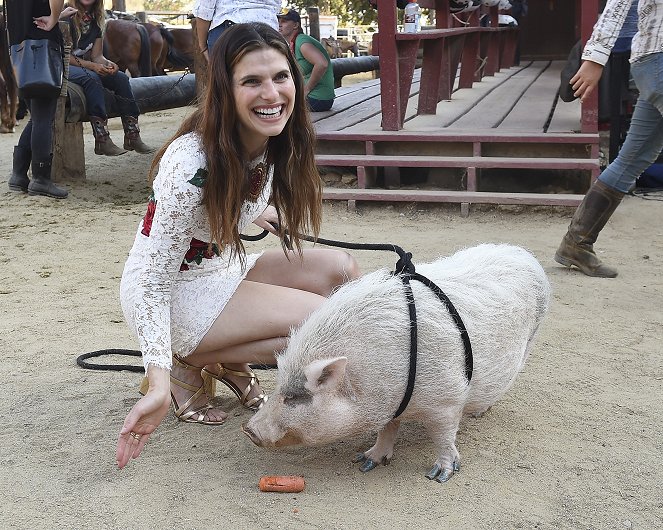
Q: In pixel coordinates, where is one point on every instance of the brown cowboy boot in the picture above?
(132, 140)
(103, 145)
(577, 247)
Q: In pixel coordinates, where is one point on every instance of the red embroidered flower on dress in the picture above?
(198, 251)
(149, 216)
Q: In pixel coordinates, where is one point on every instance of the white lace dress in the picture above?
(173, 288)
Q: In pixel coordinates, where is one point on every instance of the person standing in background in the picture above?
(313, 60)
(35, 19)
(644, 139)
(213, 17)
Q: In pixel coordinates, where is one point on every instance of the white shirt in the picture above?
(239, 11)
(648, 39)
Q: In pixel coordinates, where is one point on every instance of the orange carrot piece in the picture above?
(283, 484)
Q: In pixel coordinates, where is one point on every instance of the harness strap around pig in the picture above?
(405, 271)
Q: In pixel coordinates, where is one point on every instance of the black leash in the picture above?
(404, 270)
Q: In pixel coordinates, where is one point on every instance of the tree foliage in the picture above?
(165, 5)
(357, 12)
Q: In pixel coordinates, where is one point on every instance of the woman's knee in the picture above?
(349, 268)
(343, 268)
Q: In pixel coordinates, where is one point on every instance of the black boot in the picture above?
(41, 183)
(577, 247)
(103, 145)
(132, 140)
(19, 179)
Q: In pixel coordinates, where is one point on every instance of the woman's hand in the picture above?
(68, 12)
(102, 69)
(113, 66)
(586, 79)
(46, 23)
(267, 217)
(144, 417)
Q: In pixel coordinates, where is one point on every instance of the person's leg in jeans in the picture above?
(319, 105)
(118, 83)
(96, 109)
(215, 33)
(643, 144)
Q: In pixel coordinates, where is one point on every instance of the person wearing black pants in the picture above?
(35, 19)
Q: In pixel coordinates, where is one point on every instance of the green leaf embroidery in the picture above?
(199, 178)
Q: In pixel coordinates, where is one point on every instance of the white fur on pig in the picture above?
(345, 370)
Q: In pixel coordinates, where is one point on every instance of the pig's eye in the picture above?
(293, 400)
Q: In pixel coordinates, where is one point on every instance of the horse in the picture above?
(127, 43)
(332, 46)
(8, 86)
(158, 47)
(181, 46)
(337, 48)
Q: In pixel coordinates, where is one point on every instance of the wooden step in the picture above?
(485, 136)
(471, 197)
(456, 161)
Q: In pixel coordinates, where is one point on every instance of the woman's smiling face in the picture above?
(264, 93)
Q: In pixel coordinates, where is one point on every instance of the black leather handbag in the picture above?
(38, 68)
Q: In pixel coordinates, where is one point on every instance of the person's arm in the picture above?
(203, 10)
(97, 55)
(319, 62)
(202, 29)
(47, 23)
(99, 64)
(597, 50)
(178, 206)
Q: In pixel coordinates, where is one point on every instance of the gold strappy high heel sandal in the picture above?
(182, 412)
(254, 403)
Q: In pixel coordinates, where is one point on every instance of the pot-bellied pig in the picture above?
(345, 370)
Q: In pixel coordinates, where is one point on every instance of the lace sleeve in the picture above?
(178, 213)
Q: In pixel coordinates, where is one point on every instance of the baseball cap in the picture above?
(289, 14)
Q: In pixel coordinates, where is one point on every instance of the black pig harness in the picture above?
(405, 270)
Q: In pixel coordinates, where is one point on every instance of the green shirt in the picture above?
(324, 90)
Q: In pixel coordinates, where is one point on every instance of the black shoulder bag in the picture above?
(37, 65)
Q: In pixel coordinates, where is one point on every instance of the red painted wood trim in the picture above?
(456, 161)
(589, 119)
(476, 197)
(400, 136)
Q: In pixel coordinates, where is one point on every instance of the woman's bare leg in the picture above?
(254, 325)
(317, 271)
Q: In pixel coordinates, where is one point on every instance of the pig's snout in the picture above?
(252, 436)
(269, 439)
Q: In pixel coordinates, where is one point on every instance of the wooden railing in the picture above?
(479, 51)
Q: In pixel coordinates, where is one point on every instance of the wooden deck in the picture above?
(510, 121)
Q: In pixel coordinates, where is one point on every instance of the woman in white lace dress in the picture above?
(200, 306)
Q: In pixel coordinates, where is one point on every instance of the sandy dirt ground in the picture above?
(575, 444)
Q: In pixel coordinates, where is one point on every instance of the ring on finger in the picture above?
(135, 435)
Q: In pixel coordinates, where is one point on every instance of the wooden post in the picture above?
(142, 16)
(119, 5)
(68, 145)
(589, 121)
(313, 22)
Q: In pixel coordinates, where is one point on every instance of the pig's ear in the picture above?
(325, 374)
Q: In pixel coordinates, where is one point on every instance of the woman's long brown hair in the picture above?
(297, 187)
(98, 14)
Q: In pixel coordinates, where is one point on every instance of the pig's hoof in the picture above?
(367, 463)
(441, 474)
(359, 457)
